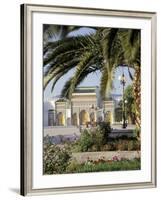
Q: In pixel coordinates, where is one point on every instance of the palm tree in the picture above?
(121, 47)
(82, 53)
(105, 50)
(56, 31)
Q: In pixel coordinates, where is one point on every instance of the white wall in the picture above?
(46, 107)
(9, 100)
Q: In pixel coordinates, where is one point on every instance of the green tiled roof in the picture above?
(61, 100)
(85, 89)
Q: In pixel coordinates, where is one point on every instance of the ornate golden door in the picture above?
(84, 117)
(61, 119)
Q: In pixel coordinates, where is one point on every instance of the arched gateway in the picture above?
(84, 117)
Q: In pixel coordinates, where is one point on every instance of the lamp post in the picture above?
(126, 111)
(123, 82)
(92, 114)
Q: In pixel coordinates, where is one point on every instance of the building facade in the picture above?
(85, 108)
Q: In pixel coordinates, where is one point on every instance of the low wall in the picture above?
(105, 155)
(61, 130)
(70, 130)
(122, 132)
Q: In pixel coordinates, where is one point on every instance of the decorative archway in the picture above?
(108, 116)
(60, 119)
(84, 117)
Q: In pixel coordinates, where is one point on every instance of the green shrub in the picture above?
(105, 129)
(73, 165)
(86, 141)
(98, 139)
(93, 139)
(55, 159)
(99, 166)
(112, 146)
(122, 145)
(137, 132)
(135, 145)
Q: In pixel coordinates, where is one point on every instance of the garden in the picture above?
(75, 56)
(60, 159)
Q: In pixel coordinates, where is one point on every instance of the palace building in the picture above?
(85, 108)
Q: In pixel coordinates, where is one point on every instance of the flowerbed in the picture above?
(58, 160)
(102, 165)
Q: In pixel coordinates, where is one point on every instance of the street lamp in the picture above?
(93, 114)
(123, 82)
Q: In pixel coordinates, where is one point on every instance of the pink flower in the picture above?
(115, 158)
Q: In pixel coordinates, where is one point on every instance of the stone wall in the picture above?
(105, 155)
(60, 130)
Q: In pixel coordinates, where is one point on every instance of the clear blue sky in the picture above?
(91, 80)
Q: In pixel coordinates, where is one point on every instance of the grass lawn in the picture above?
(104, 166)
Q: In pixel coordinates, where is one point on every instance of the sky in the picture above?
(92, 79)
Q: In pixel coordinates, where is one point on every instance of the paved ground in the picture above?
(106, 155)
(72, 131)
(119, 126)
(57, 130)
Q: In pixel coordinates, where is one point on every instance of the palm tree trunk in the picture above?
(137, 96)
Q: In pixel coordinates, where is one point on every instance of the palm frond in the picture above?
(105, 50)
(130, 74)
(71, 43)
(66, 89)
(58, 31)
(64, 54)
(49, 32)
(106, 82)
(51, 45)
(59, 69)
(130, 40)
(109, 36)
(84, 63)
(62, 72)
(112, 56)
(63, 59)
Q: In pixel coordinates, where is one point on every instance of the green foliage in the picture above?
(98, 140)
(99, 166)
(94, 139)
(105, 129)
(137, 131)
(130, 105)
(85, 62)
(122, 145)
(86, 141)
(134, 145)
(81, 52)
(55, 159)
(57, 31)
(73, 165)
(107, 49)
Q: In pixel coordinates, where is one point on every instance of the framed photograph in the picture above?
(88, 99)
